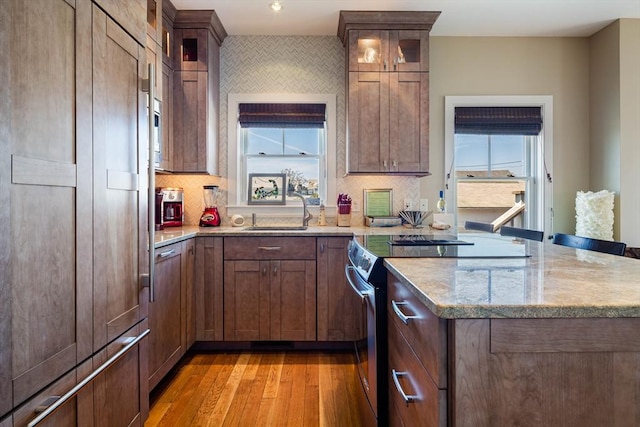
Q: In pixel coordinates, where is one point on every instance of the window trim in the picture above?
(542, 216)
(235, 205)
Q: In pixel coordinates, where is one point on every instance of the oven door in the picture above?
(365, 344)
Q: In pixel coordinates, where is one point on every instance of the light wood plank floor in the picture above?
(258, 388)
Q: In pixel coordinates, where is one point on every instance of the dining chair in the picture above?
(523, 233)
(597, 245)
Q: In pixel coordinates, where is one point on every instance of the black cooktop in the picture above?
(424, 240)
(465, 245)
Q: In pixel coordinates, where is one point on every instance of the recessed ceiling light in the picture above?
(275, 5)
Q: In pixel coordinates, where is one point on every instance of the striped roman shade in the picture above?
(282, 115)
(498, 120)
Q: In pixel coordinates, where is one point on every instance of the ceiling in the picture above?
(519, 18)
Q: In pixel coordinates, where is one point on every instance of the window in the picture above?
(497, 153)
(289, 139)
(282, 133)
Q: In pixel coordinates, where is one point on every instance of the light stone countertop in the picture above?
(555, 282)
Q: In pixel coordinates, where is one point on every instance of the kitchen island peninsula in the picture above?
(548, 339)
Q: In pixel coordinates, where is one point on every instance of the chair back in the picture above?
(597, 245)
(522, 233)
(480, 226)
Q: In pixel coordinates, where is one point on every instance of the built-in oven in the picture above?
(367, 278)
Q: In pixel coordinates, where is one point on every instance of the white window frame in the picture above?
(236, 203)
(541, 214)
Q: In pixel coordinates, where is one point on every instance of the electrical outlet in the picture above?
(408, 205)
(355, 206)
(424, 205)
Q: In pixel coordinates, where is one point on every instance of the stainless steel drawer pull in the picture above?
(75, 390)
(396, 309)
(166, 253)
(269, 248)
(408, 398)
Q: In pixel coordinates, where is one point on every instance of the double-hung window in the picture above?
(496, 159)
(289, 139)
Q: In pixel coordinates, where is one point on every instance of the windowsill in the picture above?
(277, 211)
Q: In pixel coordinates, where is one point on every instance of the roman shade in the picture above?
(498, 120)
(282, 115)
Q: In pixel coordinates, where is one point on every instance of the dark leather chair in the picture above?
(522, 233)
(480, 226)
(597, 245)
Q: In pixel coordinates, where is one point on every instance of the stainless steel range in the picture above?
(368, 277)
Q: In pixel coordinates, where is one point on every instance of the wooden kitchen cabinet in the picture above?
(168, 312)
(388, 50)
(45, 169)
(339, 313)
(208, 289)
(119, 180)
(417, 360)
(196, 104)
(269, 289)
(388, 91)
(189, 248)
(69, 155)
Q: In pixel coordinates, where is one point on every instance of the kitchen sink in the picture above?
(275, 228)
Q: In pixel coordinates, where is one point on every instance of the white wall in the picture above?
(615, 122)
(630, 131)
(518, 66)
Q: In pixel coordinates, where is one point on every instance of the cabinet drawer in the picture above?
(257, 248)
(428, 405)
(424, 331)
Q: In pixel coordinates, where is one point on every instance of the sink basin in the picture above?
(275, 228)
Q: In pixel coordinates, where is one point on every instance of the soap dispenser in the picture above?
(322, 219)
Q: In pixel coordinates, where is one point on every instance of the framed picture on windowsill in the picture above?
(267, 189)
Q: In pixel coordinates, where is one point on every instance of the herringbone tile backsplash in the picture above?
(285, 64)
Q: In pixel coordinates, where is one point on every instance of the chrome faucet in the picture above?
(306, 215)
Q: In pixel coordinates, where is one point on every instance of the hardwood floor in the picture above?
(258, 388)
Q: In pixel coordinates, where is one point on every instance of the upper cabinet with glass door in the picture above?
(389, 50)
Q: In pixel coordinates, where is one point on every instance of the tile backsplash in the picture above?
(286, 64)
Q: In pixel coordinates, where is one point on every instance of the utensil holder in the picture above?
(344, 220)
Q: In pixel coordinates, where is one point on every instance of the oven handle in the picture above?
(396, 309)
(347, 272)
(408, 398)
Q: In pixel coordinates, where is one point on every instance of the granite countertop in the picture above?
(554, 282)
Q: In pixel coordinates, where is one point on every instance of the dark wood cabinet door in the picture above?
(190, 121)
(189, 280)
(368, 122)
(293, 300)
(166, 339)
(409, 122)
(166, 121)
(247, 291)
(338, 307)
(45, 188)
(209, 289)
(120, 393)
(120, 164)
